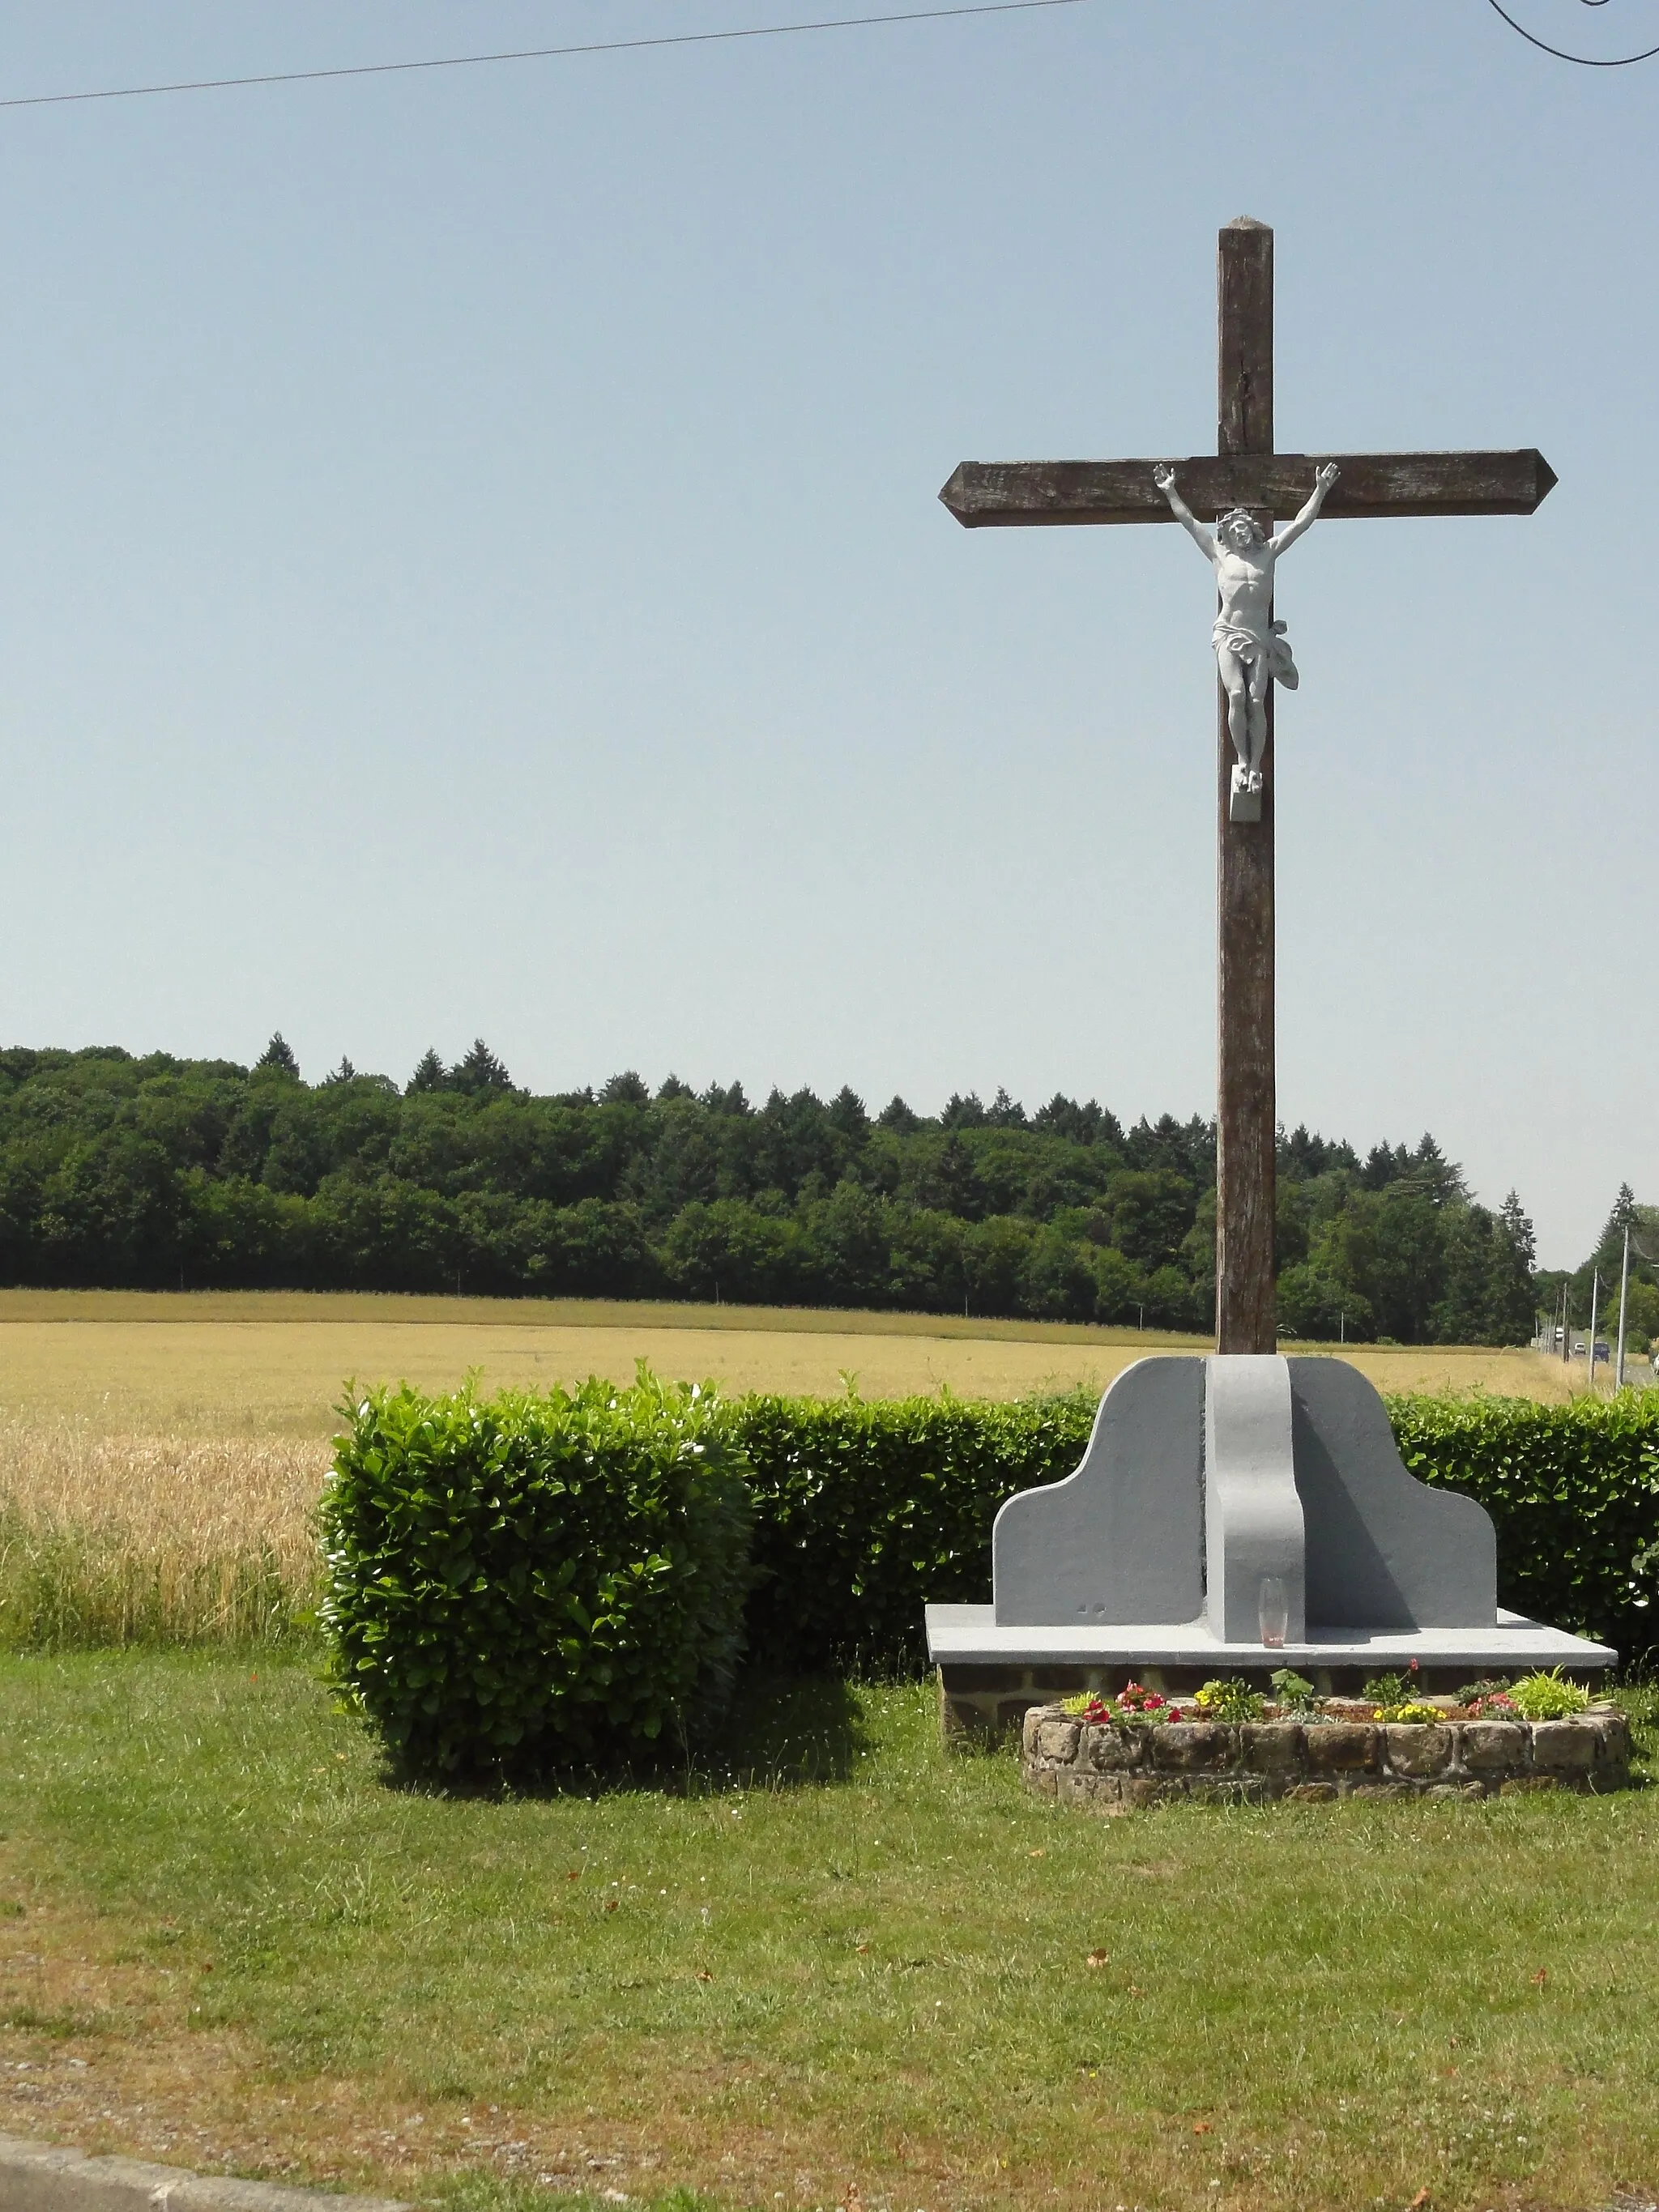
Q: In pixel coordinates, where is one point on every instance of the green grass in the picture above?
(837, 1956)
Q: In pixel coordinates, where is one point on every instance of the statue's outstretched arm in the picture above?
(1323, 480)
(1203, 538)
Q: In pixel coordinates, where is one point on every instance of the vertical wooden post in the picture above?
(1247, 1105)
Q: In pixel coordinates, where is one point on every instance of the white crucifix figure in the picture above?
(1251, 650)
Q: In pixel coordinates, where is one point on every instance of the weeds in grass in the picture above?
(1640, 1702)
(154, 1540)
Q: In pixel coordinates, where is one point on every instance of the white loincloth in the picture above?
(1251, 645)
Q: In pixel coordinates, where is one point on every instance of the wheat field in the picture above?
(274, 1364)
(161, 1455)
(163, 1540)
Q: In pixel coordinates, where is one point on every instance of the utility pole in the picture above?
(1624, 1285)
(1589, 1341)
(1566, 1322)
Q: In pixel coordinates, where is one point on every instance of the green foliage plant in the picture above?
(1391, 1689)
(869, 1509)
(531, 1582)
(1548, 1697)
(1294, 1692)
(1231, 1699)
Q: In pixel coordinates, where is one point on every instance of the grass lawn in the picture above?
(843, 1960)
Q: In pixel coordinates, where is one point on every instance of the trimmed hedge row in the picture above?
(864, 1512)
(868, 1512)
(1574, 1492)
(545, 1578)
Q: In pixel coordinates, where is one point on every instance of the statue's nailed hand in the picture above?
(1164, 477)
(1325, 477)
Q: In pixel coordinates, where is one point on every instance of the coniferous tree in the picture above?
(278, 1056)
(480, 1071)
(847, 1113)
(624, 1090)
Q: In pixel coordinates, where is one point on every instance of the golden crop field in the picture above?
(272, 1364)
(160, 1455)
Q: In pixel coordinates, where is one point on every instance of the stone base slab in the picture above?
(1110, 1768)
(981, 1698)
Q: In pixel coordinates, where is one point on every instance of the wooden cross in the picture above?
(1245, 471)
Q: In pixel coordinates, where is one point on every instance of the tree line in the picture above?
(118, 1171)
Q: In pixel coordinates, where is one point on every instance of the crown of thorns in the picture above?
(1238, 514)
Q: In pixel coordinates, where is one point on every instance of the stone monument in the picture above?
(1242, 1512)
(1234, 1515)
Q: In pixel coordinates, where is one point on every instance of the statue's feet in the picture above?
(1244, 803)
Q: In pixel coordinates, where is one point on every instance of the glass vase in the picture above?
(1273, 1612)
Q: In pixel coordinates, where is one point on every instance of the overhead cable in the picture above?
(1584, 61)
(537, 53)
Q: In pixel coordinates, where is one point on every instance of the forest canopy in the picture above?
(155, 1172)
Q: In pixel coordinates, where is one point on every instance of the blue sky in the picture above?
(470, 560)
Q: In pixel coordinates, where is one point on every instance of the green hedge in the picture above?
(535, 1581)
(548, 1578)
(1574, 1492)
(868, 1512)
(865, 1512)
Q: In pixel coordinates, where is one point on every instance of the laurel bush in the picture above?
(1574, 1492)
(533, 1580)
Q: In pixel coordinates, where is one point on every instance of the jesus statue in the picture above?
(1250, 647)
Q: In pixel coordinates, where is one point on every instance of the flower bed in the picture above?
(1137, 1748)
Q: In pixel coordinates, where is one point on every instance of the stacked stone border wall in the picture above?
(1106, 1767)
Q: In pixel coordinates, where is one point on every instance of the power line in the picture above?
(537, 53)
(1584, 61)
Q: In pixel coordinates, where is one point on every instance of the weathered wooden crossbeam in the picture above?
(983, 493)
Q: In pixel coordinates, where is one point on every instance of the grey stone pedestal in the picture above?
(1203, 1478)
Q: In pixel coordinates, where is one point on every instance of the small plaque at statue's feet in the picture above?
(1245, 803)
